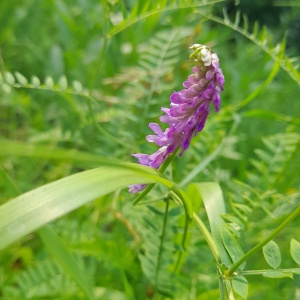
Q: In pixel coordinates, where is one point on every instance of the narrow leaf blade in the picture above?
(31, 210)
(232, 246)
(213, 200)
(211, 195)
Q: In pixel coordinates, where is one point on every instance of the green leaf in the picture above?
(213, 200)
(240, 286)
(59, 250)
(12, 148)
(77, 86)
(9, 78)
(278, 274)
(63, 83)
(21, 78)
(137, 14)
(30, 211)
(274, 116)
(6, 88)
(231, 245)
(286, 63)
(9, 148)
(35, 81)
(211, 195)
(49, 82)
(272, 254)
(295, 250)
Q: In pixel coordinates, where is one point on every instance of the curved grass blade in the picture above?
(32, 210)
(57, 248)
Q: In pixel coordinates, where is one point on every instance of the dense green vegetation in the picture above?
(79, 83)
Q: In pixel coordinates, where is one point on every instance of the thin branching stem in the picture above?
(155, 77)
(163, 234)
(261, 272)
(284, 61)
(259, 246)
(164, 166)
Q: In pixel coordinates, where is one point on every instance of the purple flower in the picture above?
(188, 110)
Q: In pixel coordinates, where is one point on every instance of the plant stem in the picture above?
(221, 284)
(184, 237)
(259, 246)
(162, 241)
(261, 272)
(207, 236)
(150, 186)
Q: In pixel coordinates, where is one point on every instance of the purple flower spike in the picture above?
(188, 110)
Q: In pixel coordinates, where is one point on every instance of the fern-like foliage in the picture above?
(10, 81)
(273, 180)
(145, 9)
(158, 60)
(161, 234)
(273, 162)
(44, 280)
(263, 39)
(145, 84)
(18, 80)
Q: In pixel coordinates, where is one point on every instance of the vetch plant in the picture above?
(186, 117)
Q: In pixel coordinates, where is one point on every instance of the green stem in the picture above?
(183, 200)
(151, 186)
(184, 237)
(208, 237)
(259, 246)
(100, 60)
(162, 241)
(261, 272)
(221, 284)
(257, 91)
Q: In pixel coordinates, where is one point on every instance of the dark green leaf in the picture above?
(232, 246)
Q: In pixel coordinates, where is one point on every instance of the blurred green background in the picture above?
(96, 78)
